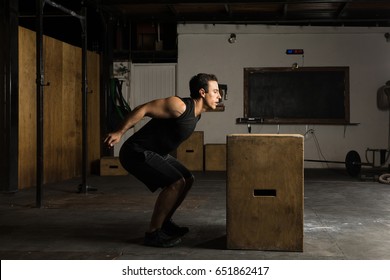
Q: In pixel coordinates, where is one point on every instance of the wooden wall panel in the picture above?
(62, 110)
(77, 120)
(71, 117)
(52, 116)
(27, 109)
(94, 141)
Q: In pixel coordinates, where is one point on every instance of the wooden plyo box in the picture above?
(265, 192)
(215, 157)
(111, 166)
(190, 152)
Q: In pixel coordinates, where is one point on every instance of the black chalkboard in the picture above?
(301, 95)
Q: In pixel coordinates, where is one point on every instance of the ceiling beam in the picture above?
(334, 12)
(136, 2)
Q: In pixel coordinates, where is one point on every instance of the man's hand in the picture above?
(113, 138)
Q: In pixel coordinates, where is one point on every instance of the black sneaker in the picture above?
(172, 229)
(158, 238)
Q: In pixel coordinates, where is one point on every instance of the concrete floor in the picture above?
(344, 218)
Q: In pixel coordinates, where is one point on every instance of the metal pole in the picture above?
(325, 161)
(62, 8)
(9, 96)
(40, 84)
(341, 162)
(84, 187)
(40, 81)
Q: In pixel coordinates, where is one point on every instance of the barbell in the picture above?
(353, 163)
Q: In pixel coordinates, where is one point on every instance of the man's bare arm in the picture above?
(171, 107)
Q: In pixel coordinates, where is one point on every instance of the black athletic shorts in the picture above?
(154, 170)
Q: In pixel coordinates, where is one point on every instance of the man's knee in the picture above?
(183, 184)
(178, 185)
(189, 181)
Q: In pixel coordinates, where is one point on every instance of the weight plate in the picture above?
(384, 179)
(353, 163)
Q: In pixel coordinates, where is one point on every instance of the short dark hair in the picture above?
(199, 81)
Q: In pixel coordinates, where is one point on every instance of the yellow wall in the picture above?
(62, 110)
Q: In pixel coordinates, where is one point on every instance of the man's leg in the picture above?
(156, 172)
(189, 180)
(167, 202)
(188, 184)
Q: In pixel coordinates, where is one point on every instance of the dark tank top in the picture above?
(165, 135)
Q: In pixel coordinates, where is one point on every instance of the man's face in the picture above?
(212, 97)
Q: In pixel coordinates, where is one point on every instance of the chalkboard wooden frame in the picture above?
(305, 95)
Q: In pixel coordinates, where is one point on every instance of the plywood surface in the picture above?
(265, 192)
(111, 166)
(215, 157)
(190, 152)
(27, 109)
(62, 110)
